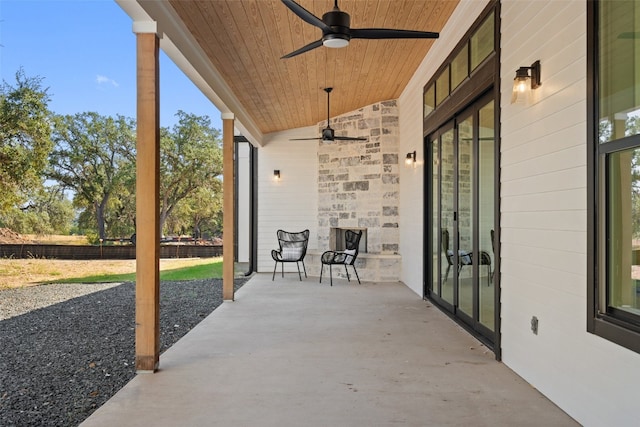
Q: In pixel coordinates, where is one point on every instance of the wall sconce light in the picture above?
(523, 84)
(276, 174)
(411, 159)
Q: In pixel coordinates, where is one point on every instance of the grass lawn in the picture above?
(196, 272)
(28, 272)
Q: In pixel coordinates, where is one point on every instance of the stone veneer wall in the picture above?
(358, 181)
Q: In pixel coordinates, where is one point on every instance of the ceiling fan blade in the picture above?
(348, 138)
(303, 49)
(386, 33)
(305, 15)
(305, 139)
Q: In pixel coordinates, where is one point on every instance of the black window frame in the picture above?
(606, 324)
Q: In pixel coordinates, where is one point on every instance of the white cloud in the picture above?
(106, 80)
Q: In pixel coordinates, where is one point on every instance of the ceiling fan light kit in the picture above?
(337, 31)
(335, 42)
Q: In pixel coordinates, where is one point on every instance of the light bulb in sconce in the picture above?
(524, 84)
(411, 159)
(276, 174)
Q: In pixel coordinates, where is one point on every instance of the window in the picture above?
(429, 100)
(442, 86)
(471, 52)
(460, 67)
(482, 42)
(614, 48)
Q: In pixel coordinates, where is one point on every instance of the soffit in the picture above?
(244, 41)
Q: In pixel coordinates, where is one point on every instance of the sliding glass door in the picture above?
(461, 195)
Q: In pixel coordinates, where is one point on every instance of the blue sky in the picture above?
(85, 51)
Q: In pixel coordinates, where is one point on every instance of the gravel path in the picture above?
(66, 349)
(16, 301)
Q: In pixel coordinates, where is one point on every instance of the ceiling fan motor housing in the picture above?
(339, 22)
(327, 134)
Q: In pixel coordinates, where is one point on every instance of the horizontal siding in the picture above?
(292, 203)
(573, 199)
(543, 221)
(532, 182)
(560, 220)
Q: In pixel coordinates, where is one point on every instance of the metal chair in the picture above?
(293, 248)
(346, 257)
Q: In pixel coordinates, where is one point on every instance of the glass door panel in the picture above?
(435, 208)
(465, 216)
(486, 213)
(462, 208)
(448, 265)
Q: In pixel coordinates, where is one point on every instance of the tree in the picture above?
(121, 209)
(200, 212)
(190, 158)
(94, 156)
(48, 211)
(24, 139)
(632, 127)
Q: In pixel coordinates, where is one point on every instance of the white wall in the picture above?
(543, 211)
(411, 178)
(292, 203)
(543, 223)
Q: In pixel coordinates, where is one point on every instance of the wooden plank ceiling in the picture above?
(245, 40)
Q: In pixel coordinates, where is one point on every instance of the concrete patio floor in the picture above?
(291, 353)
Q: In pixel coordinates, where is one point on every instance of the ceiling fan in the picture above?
(328, 134)
(337, 33)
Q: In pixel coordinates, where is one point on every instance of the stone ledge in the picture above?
(371, 267)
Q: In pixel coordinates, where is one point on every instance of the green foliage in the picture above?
(24, 139)
(632, 127)
(198, 213)
(94, 156)
(47, 212)
(190, 161)
(92, 238)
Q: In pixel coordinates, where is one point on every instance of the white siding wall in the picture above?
(543, 222)
(411, 179)
(543, 211)
(292, 203)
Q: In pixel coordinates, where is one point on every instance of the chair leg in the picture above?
(321, 270)
(490, 276)
(330, 274)
(299, 275)
(282, 270)
(347, 270)
(305, 269)
(446, 275)
(356, 271)
(274, 271)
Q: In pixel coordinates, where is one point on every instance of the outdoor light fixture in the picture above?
(411, 159)
(276, 174)
(524, 83)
